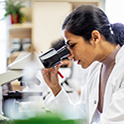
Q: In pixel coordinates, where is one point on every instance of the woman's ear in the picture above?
(95, 37)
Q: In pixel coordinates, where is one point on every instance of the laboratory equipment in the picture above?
(53, 57)
(26, 60)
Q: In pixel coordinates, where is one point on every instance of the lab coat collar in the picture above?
(120, 54)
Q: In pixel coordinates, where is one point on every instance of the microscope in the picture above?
(30, 62)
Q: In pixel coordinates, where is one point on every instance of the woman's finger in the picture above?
(45, 70)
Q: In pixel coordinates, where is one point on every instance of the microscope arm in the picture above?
(10, 75)
(16, 69)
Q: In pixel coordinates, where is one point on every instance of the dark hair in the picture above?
(118, 33)
(58, 44)
(86, 18)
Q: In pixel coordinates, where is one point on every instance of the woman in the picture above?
(92, 39)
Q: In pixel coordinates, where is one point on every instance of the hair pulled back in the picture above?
(86, 18)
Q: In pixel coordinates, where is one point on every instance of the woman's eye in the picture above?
(72, 45)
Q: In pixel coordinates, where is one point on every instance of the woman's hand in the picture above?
(67, 62)
(51, 78)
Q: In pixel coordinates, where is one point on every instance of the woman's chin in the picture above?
(84, 66)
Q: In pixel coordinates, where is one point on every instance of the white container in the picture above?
(26, 43)
(16, 44)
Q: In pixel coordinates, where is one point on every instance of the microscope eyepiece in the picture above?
(53, 57)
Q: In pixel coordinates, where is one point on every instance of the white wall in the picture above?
(3, 41)
(47, 21)
(115, 10)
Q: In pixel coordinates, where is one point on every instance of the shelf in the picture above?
(20, 26)
(13, 56)
(16, 53)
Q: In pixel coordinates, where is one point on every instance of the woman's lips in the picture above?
(78, 62)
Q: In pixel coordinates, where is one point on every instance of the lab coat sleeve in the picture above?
(62, 104)
(115, 111)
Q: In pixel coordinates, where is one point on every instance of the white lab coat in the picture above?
(113, 109)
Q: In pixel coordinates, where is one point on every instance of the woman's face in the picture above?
(81, 51)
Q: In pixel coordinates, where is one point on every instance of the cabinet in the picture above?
(20, 30)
